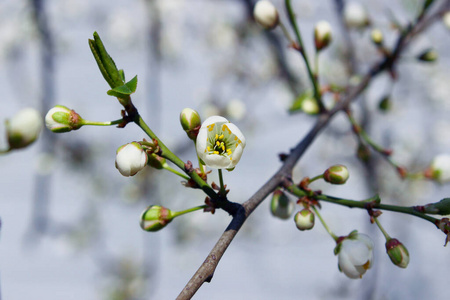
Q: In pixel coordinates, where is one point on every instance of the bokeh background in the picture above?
(70, 221)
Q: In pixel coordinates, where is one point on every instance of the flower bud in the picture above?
(281, 206)
(363, 152)
(190, 121)
(322, 35)
(385, 104)
(155, 217)
(304, 219)
(429, 55)
(376, 36)
(446, 19)
(355, 15)
(130, 159)
(337, 174)
(398, 253)
(355, 254)
(266, 14)
(440, 168)
(62, 119)
(23, 128)
(309, 105)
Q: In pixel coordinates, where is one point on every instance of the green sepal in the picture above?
(125, 90)
(105, 62)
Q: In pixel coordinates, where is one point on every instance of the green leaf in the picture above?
(125, 90)
(105, 63)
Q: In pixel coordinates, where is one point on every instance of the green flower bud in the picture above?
(385, 104)
(337, 174)
(191, 122)
(322, 35)
(376, 36)
(398, 253)
(281, 206)
(442, 207)
(304, 219)
(363, 152)
(429, 55)
(155, 217)
(23, 128)
(62, 119)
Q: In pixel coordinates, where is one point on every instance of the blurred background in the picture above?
(70, 221)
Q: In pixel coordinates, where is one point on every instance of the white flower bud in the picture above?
(23, 128)
(281, 206)
(220, 143)
(322, 35)
(130, 159)
(62, 119)
(355, 15)
(191, 122)
(440, 168)
(304, 219)
(266, 14)
(355, 255)
(337, 174)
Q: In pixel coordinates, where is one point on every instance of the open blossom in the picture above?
(220, 143)
(130, 159)
(355, 255)
(23, 128)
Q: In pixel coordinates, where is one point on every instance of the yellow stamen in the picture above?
(218, 143)
(211, 127)
(221, 136)
(229, 151)
(225, 127)
(223, 147)
(217, 136)
(208, 149)
(216, 152)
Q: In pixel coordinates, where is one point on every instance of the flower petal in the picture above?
(214, 119)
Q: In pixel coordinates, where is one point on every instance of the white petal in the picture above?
(235, 130)
(214, 119)
(346, 265)
(217, 161)
(357, 251)
(202, 140)
(237, 154)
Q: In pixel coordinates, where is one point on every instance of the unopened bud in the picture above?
(309, 105)
(281, 206)
(155, 217)
(355, 15)
(23, 128)
(363, 152)
(322, 35)
(429, 55)
(62, 119)
(337, 174)
(266, 14)
(304, 219)
(440, 168)
(446, 19)
(442, 207)
(385, 104)
(130, 159)
(191, 122)
(377, 36)
(398, 253)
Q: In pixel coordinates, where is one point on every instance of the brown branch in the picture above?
(206, 270)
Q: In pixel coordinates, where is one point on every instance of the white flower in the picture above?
(23, 128)
(440, 168)
(355, 255)
(265, 14)
(130, 159)
(322, 35)
(220, 143)
(355, 15)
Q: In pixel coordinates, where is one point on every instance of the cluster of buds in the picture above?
(23, 128)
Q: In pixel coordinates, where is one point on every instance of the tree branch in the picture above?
(206, 270)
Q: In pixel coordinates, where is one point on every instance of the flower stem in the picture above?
(170, 169)
(324, 224)
(301, 49)
(179, 213)
(316, 178)
(286, 33)
(386, 235)
(115, 122)
(222, 186)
